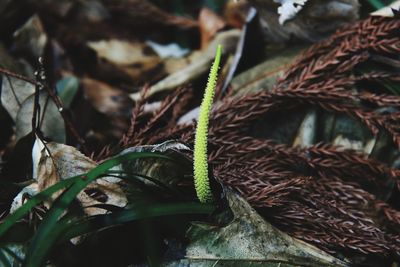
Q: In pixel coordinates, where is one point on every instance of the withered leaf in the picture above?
(57, 162)
(134, 59)
(248, 240)
(106, 99)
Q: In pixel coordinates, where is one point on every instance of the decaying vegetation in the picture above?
(316, 154)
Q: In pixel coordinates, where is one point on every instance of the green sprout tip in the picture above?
(200, 164)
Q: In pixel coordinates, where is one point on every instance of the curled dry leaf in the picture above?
(56, 162)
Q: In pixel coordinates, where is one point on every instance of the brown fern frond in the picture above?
(320, 204)
(321, 158)
(323, 194)
(174, 105)
(137, 112)
(370, 34)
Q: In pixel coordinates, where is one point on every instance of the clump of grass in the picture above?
(56, 228)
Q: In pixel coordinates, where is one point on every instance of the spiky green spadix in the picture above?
(200, 164)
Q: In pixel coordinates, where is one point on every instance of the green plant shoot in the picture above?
(200, 164)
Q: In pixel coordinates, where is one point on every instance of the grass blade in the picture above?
(4, 260)
(35, 200)
(45, 237)
(99, 222)
(376, 4)
(12, 254)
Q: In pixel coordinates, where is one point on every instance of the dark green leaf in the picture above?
(376, 4)
(100, 222)
(4, 260)
(66, 89)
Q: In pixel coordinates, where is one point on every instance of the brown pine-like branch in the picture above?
(322, 194)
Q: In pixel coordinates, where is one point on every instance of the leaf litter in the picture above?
(308, 144)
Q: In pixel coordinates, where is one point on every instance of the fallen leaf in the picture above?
(248, 240)
(167, 172)
(283, 20)
(106, 99)
(123, 52)
(199, 65)
(51, 122)
(53, 162)
(137, 60)
(13, 93)
(57, 162)
(31, 39)
(264, 75)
